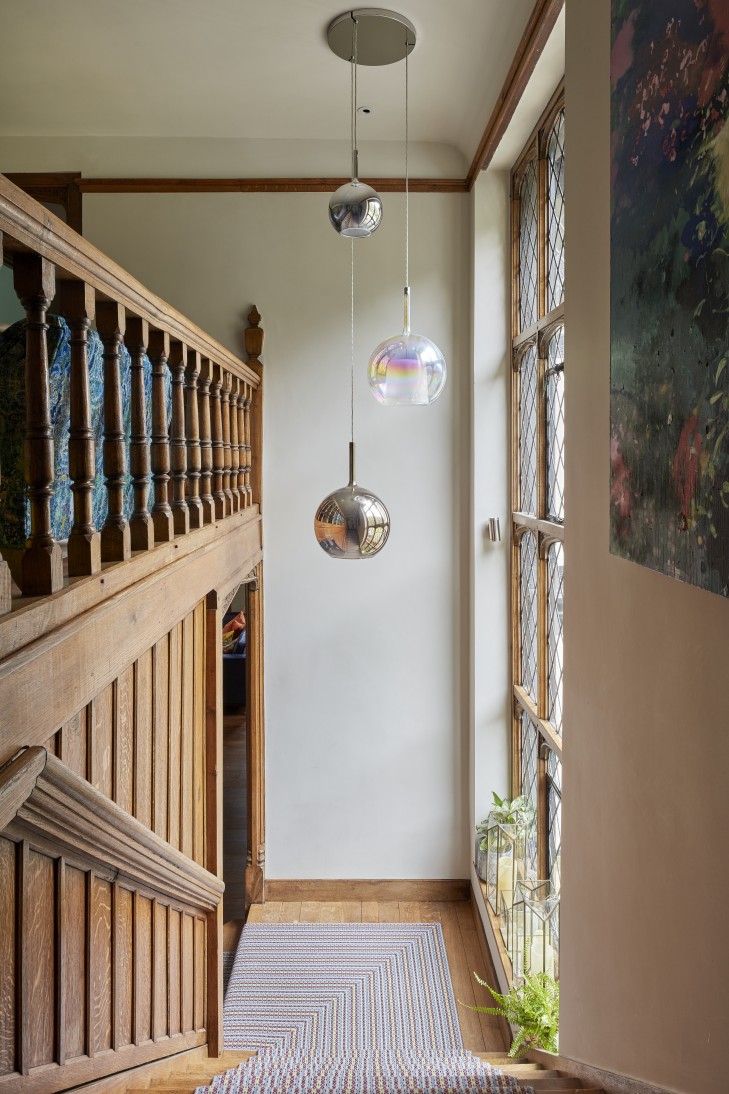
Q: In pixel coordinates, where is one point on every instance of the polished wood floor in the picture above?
(465, 948)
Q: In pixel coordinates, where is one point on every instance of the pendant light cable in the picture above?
(352, 349)
(353, 96)
(407, 181)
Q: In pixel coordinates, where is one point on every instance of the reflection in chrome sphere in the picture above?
(355, 209)
(407, 370)
(352, 522)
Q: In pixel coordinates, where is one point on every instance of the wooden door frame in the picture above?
(217, 603)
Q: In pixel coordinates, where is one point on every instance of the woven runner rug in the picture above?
(334, 988)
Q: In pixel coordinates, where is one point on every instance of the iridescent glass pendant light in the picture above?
(352, 522)
(407, 369)
(355, 209)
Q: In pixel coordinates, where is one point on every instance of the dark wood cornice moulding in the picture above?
(261, 186)
(44, 802)
(537, 31)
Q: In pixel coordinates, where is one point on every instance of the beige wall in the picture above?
(645, 982)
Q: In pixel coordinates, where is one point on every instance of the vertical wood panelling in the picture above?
(102, 732)
(200, 965)
(101, 1002)
(174, 731)
(39, 943)
(74, 960)
(123, 964)
(143, 970)
(159, 972)
(199, 751)
(124, 740)
(8, 882)
(187, 722)
(173, 965)
(53, 743)
(160, 677)
(103, 967)
(143, 739)
(73, 743)
(187, 943)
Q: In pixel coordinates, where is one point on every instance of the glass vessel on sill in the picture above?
(534, 928)
(505, 863)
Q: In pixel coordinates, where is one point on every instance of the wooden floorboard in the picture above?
(480, 1032)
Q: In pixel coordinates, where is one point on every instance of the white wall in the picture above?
(366, 663)
(490, 674)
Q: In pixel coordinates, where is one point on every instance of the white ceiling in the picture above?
(245, 69)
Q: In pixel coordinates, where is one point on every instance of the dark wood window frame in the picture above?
(539, 771)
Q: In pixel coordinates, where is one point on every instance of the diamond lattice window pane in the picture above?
(528, 621)
(555, 591)
(555, 426)
(528, 432)
(555, 214)
(528, 237)
(554, 816)
(529, 768)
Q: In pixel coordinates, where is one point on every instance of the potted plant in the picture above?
(532, 1004)
(519, 811)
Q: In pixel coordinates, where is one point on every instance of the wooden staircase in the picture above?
(536, 1075)
(180, 1077)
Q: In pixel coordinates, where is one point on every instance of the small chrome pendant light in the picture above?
(407, 369)
(355, 209)
(352, 522)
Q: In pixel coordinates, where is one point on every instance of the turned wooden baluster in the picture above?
(5, 579)
(234, 456)
(192, 431)
(140, 522)
(254, 347)
(216, 382)
(116, 545)
(78, 305)
(42, 563)
(206, 443)
(225, 412)
(241, 388)
(178, 441)
(247, 424)
(159, 351)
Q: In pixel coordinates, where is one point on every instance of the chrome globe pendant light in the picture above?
(407, 369)
(352, 522)
(355, 209)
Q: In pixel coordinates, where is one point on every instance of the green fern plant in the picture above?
(532, 1004)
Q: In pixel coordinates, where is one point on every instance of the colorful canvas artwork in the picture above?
(670, 288)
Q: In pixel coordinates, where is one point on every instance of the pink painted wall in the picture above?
(645, 903)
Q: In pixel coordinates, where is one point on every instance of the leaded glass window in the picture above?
(538, 487)
(555, 425)
(528, 244)
(528, 431)
(555, 214)
(555, 593)
(528, 613)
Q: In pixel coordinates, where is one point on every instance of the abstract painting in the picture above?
(669, 368)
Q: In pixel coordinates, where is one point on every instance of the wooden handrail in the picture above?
(28, 226)
(43, 800)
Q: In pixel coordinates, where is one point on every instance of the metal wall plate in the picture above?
(381, 36)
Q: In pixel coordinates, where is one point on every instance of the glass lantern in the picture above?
(505, 864)
(533, 943)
